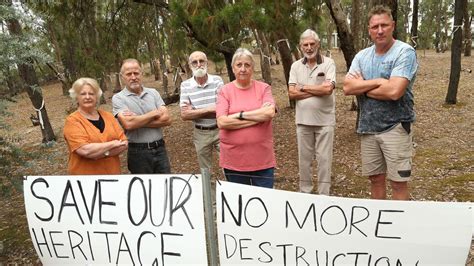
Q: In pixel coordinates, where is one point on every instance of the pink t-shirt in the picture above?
(250, 148)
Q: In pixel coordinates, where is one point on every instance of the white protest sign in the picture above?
(258, 226)
(123, 219)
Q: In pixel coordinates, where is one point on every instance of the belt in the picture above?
(205, 128)
(149, 145)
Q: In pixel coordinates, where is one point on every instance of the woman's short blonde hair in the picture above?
(242, 52)
(81, 82)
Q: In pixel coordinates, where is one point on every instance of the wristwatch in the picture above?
(241, 115)
(106, 153)
(301, 87)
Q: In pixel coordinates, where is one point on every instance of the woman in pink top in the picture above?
(244, 110)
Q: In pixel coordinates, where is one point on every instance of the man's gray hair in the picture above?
(196, 53)
(309, 33)
(242, 52)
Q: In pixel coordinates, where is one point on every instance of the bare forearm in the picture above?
(391, 90)
(319, 90)
(192, 114)
(358, 86)
(295, 94)
(162, 121)
(262, 114)
(96, 151)
(130, 122)
(232, 122)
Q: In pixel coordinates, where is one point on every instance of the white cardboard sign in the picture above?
(123, 219)
(258, 226)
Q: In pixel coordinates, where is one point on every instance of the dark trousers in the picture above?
(142, 160)
(260, 178)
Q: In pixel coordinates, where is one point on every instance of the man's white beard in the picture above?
(199, 72)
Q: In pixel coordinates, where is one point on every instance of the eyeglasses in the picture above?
(195, 63)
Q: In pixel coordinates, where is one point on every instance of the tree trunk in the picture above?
(286, 59)
(228, 64)
(28, 74)
(459, 6)
(118, 85)
(265, 63)
(66, 84)
(414, 24)
(467, 32)
(345, 36)
(356, 23)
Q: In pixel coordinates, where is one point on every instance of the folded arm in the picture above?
(393, 89)
(188, 113)
(97, 150)
(155, 118)
(249, 118)
(355, 84)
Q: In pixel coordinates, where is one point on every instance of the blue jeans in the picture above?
(259, 178)
(148, 161)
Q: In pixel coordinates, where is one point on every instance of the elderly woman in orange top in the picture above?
(244, 111)
(94, 137)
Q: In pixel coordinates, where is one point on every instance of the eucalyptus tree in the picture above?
(451, 95)
(19, 51)
(468, 14)
(414, 25)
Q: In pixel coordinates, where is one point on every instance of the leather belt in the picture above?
(148, 146)
(205, 128)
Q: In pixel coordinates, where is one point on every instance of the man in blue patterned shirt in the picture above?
(382, 78)
(198, 103)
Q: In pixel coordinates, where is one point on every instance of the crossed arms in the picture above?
(265, 113)
(379, 88)
(156, 118)
(322, 89)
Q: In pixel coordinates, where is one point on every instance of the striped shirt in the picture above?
(201, 96)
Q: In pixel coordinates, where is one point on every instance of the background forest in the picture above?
(46, 45)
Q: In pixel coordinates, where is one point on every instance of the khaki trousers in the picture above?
(315, 140)
(204, 142)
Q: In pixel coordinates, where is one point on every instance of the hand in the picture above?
(186, 108)
(119, 143)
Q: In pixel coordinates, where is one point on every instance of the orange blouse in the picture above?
(78, 131)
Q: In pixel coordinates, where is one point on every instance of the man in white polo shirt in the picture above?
(198, 103)
(311, 84)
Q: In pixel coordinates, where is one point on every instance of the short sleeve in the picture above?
(118, 104)
(355, 65)
(183, 96)
(267, 95)
(159, 101)
(331, 71)
(75, 134)
(220, 84)
(406, 64)
(222, 105)
(292, 80)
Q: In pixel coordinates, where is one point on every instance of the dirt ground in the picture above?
(443, 166)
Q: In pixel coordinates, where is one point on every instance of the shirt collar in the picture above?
(194, 82)
(129, 93)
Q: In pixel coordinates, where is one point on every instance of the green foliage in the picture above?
(434, 17)
(10, 156)
(19, 49)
